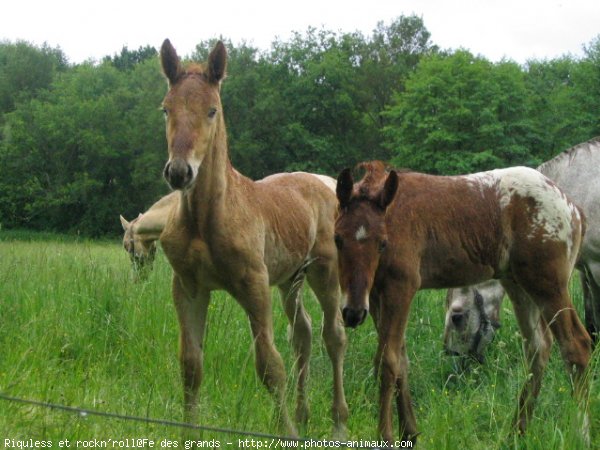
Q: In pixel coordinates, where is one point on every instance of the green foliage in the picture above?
(68, 156)
(80, 144)
(565, 98)
(25, 70)
(458, 114)
(128, 59)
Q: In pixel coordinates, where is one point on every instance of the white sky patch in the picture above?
(496, 29)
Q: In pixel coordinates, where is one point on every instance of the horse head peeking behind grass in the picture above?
(397, 233)
(141, 251)
(234, 234)
(140, 235)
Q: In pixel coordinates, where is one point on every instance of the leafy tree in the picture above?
(26, 69)
(72, 149)
(82, 143)
(564, 96)
(460, 113)
(321, 94)
(128, 59)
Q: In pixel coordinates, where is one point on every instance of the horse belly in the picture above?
(448, 272)
(284, 261)
(289, 237)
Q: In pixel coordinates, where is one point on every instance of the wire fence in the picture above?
(278, 440)
(83, 412)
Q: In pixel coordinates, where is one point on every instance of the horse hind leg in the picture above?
(301, 336)
(549, 291)
(573, 340)
(323, 279)
(575, 347)
(253, 294)
(537, 343)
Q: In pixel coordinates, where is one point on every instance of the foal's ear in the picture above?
(389, 190)
(124, 223)
(343, 190)
(217, 63)
(171, 65)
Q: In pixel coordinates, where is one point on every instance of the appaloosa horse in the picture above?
(231, 233)
(397, 233)
(141, 234)
(576, 172)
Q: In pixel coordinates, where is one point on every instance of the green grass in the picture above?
(76, 330)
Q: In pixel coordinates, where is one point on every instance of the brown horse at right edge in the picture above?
(398, 232)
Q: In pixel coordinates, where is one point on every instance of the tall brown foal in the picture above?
(401, 232)
(231, 233)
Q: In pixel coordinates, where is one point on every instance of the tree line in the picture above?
(82, 143)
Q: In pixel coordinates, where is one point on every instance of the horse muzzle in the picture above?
(354, 317)
(178, 173)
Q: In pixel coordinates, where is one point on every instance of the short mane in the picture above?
(375, 173)
(371, 183)
(566, 157)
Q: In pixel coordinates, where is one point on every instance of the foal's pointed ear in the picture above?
(124, 223)
(171, 64)
(344, 187)
(389, 189)
(217, 63)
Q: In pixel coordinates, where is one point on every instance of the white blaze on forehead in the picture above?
(361, 233)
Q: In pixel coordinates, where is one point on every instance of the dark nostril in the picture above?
(345, 313)
(354, 317)
(178, 173)
(457, 318)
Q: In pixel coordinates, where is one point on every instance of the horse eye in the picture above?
(338, 241)
(382, 246)
(165, 111)
(212, 112)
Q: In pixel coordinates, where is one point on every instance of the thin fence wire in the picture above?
(83, 412)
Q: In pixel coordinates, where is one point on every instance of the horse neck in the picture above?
(214, 182)
(554, 167)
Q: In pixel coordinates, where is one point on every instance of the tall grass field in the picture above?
(77, 330)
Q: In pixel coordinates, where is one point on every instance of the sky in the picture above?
(513, 29)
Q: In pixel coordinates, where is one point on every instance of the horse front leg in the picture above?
(191, 312)
(393, 371)
(323, 279)
(406, 416)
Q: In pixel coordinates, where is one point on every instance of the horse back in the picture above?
(466, 229)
